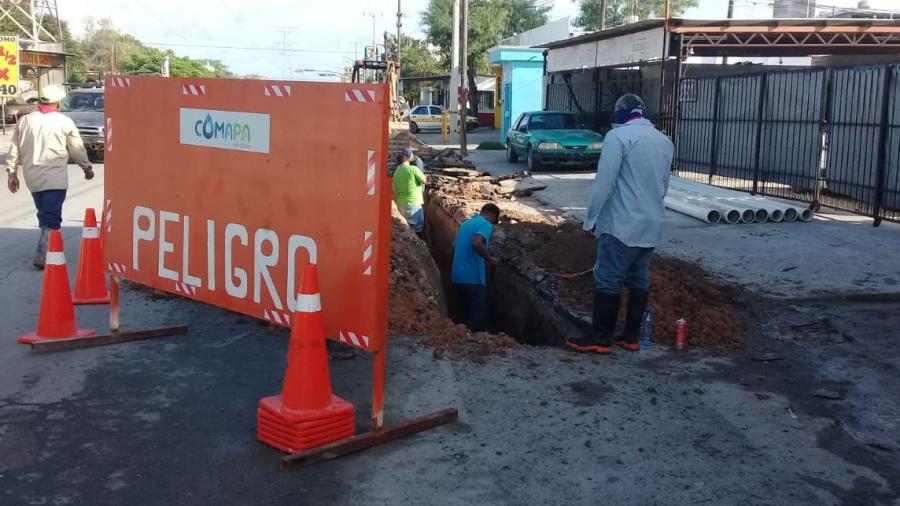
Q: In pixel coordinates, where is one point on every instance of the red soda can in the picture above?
(681, 334)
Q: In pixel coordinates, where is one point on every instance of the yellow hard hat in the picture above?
(52, 94)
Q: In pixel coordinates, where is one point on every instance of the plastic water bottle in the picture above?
(646, 340)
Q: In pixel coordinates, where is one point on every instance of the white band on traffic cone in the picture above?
(309, 303)
(90, 233)
(55, 258)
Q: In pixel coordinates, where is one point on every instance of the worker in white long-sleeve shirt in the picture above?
(42, 144)
(626, 212)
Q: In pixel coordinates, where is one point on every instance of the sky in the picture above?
(321, 37)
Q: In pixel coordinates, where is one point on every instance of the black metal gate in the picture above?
(819, 135)
(594, 94)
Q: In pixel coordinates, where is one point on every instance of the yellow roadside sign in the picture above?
(9, 66)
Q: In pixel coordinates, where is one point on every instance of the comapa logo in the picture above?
(209, 128)
(239, 131)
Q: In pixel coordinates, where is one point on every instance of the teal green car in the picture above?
(552, 138)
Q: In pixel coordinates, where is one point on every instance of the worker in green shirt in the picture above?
(409, 185)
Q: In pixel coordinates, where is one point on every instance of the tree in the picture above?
(618, 11)
(50, 23)
(490, 21)
(100, 37)
(416, 60)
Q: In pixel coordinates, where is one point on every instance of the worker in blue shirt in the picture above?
(470, 254)
(626, 212)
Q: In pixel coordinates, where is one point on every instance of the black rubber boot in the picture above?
(600, 338)
(40, 253)
(637, 304)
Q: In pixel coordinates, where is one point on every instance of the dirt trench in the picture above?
(516, 305)
(528, 298)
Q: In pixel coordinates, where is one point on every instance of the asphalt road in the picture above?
(807, 414)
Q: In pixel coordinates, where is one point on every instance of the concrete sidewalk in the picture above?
(836, 255)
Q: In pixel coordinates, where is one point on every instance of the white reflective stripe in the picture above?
(90, 233)
(55, 258)
(307, 303)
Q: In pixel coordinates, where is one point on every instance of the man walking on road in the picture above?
(42, 144)
(409, 185)
(470, 252)
(626, 212)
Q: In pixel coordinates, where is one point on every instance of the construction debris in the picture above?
(543, 250)
(548, 252)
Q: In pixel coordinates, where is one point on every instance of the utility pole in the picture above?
(603, 14)
(463, 78)
(453, 99)
(399, 44)
(399, 24)
(729, 16)
(373, 15)
(286, 65)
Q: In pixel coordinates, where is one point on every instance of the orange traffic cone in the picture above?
(56, 319)
(306, 414)
(90, 283)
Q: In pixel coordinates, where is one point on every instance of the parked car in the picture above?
(85, 107)
(20, 106)
(428, 117)
(552, 138)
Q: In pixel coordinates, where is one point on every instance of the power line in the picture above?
(238, 23)
(251, 48)
(163, 21)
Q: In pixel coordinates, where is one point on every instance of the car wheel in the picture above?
(413, 127)
(95, 156)
(471, 127)
(533, 163)
(511, 155)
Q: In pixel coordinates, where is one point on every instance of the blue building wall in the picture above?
(522, 89)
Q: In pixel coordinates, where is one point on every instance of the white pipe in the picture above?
(727, 213)
(771, 205)
(776, 208)
(749, 212)
(710, 216)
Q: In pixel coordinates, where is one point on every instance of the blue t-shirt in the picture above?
(468, 266)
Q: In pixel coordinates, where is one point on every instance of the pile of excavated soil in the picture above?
(678, 289)
(417, 306)
(541, 246)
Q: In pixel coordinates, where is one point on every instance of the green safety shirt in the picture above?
(409, 183)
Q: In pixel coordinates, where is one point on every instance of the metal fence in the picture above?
(593, 99)
(820, 135)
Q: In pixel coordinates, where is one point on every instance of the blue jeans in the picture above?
(473, 302)
(49, 207)
(618, 263)
(415, 216)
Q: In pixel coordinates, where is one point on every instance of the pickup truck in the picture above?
(85, 107)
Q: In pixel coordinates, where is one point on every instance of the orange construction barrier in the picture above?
(306, 414)
(56, 319)
(90, 284)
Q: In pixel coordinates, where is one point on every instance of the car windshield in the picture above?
(82, 102)
(554, 122)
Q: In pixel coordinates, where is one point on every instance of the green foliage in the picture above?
(490, 21)
(415, 60)
(492, 146)
(618, 11)
(9, 27)
(137, 59)
(93, 53)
